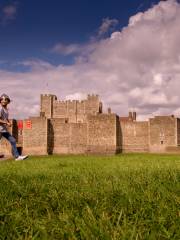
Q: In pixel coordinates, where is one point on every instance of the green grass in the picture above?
(128, 196)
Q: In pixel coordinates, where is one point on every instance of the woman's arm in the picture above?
(3, 121)
(6, 122)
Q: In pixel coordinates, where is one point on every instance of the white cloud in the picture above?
(158, 80)
(76, 96)
(138, 67)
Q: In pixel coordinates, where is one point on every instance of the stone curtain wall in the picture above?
(74, 127)
(102, 134)
(162, 133)
(102, 137)
(67, 137)
(134, 136)
(78, 138)
(35, 136)
(59, 136)
(98, 135)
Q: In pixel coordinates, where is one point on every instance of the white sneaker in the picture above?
(21, 158)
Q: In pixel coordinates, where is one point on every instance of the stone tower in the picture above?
(46, 109)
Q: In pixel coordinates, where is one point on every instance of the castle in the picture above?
(81, 127)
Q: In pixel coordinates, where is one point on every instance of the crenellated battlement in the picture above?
(60, 101)
(92, 96)
(76, 110)
(48, 95)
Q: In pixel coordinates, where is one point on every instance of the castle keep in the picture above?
(81, 127)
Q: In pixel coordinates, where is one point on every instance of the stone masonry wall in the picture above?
(92, 104)
(81, 116)
(98, 135)
(59, 109)
(73, 127)
(101, 131)
(78, 138)
(46, 108)
(162, 133)
(35, 136)
(134, 136)
(58, 136)
(67, 138)
(74, 110)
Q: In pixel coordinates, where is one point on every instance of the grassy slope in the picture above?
(131, 196)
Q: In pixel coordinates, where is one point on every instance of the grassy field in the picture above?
(128, 196)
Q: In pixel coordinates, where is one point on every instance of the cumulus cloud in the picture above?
(107, 25)
(8, 13)
(76, 96)
(137, 67)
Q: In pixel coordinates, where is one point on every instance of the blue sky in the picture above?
(127, 52)
(36, 26)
